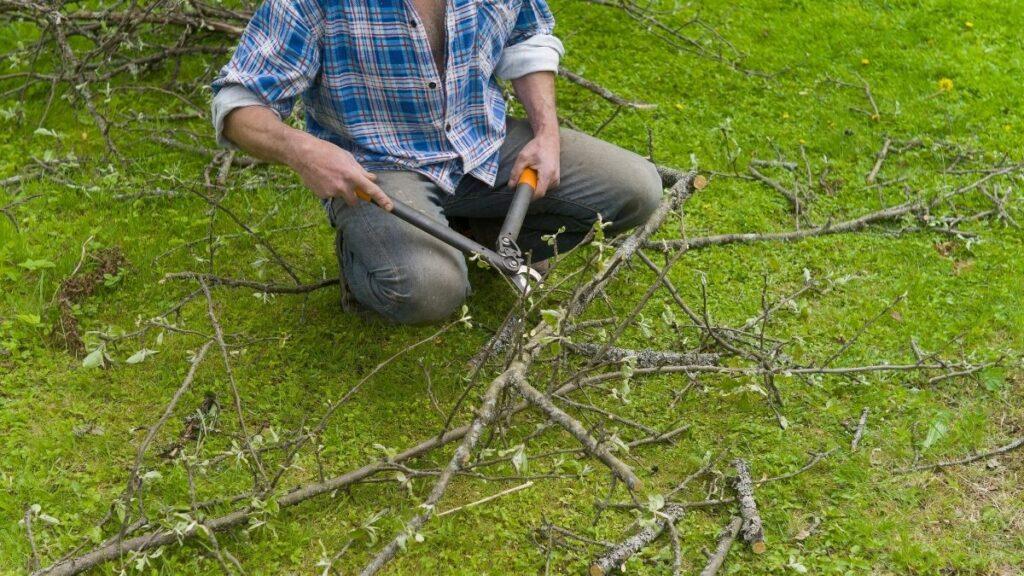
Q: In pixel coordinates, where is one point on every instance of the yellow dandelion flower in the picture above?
(679, 107)
(785, 115)
(864, 62)
(945, 85)
(969, 25)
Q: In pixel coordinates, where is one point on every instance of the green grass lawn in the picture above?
(939, 71)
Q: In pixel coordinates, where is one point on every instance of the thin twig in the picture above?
(861, 426)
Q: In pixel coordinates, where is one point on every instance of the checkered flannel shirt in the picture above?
(369, 84)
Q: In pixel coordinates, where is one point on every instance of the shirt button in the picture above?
(412, 23)
(432, 85)
(447, 127)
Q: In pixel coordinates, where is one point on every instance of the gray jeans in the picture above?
(410, 277)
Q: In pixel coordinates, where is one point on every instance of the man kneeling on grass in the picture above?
(402, 101)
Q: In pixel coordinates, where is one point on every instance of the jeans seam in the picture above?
(378, 241)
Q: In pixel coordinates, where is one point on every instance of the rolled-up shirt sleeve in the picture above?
(277, 59)
(532, 46)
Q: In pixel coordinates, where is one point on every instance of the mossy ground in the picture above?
(965, 521)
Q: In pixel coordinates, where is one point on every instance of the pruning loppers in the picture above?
(506, 255)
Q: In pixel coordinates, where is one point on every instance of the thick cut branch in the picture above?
(753, 532)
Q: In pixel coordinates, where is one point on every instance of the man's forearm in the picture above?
(326, 169)
(259, 132)
(537, 93)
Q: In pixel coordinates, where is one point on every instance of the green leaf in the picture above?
(111, 280)
(46, 132)
(94, 359)
(32, 320)
(33, 265)
(936, 431)
(552, 317)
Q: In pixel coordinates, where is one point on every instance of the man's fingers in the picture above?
(376, 194)
(542, 186)
(546, 180)
(349, 196)
(517, 171)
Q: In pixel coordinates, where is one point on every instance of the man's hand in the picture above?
(327, 170)
(537, 93)
(541, 154)
(332, 172)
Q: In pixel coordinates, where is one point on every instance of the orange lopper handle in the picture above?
(528, 177)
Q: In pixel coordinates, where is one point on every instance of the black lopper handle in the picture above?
(517, 211)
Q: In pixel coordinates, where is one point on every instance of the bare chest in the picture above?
(432, 15)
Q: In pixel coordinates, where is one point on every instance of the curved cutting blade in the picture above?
(525, 279)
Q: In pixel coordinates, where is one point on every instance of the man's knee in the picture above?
(637, 191)
(648, 191)
(432, 291)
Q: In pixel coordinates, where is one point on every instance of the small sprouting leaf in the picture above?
(48, 519)
(140, 356)
(655, 502)
(796, 566)
(519, 460)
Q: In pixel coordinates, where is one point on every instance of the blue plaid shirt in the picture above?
(369, 84)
